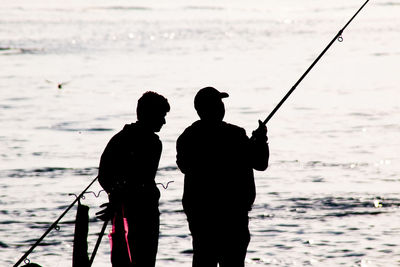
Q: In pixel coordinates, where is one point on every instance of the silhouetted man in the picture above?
(218, 159)
(127, 170)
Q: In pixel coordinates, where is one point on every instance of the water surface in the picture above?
(331, 194)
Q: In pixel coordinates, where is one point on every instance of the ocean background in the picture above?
(331, 196)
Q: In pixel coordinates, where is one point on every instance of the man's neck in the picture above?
(145, 126)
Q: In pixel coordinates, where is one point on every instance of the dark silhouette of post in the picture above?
(127, 170)
(80, 249)
(53, 225)
(218, 159)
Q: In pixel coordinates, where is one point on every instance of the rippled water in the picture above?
(331, 194)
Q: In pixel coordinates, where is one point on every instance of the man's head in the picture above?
(152, 109)
(208, 104)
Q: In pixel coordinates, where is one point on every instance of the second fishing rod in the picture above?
(53, 225)
(337, 37)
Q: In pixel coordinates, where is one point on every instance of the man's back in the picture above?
(218, 170)
(130, 162)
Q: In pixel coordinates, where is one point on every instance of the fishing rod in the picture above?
(96, 247)
(338, 37)
(54, 225)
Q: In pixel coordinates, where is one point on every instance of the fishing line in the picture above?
(24, 258)
(165, 186)
(338, 37)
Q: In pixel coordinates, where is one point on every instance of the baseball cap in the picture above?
(206, 96)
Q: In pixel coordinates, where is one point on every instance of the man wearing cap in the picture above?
(218, 159)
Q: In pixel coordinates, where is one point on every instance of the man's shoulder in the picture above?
(234, 128)
(199, 125)
(115, 141)
(197, 128)
(131, 135)
(123, 133)
(193, 128)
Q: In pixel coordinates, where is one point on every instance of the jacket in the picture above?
(218, 161)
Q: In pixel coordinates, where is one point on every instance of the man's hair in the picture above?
(151, 104)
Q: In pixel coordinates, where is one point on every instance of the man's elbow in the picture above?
(261, 167)
(181, 166)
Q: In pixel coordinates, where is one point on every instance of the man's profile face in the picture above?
(158, 121)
